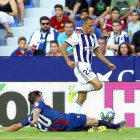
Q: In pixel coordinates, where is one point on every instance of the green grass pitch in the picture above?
(34, 134)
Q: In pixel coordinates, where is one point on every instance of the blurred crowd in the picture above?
(116, 25)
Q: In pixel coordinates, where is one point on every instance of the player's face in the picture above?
(102, 44)
(88, 27)
(45, 25)
(54, 48)
(22, 44)
(84, 14)
(115, 15)
(116, 27)
(68, 28)
(134, 16)
(58, 12)
(124, 49)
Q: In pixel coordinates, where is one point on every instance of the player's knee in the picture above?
(98, 87)
(108, 16)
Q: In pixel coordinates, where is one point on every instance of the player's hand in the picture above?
(112, 66)
(71, 64)
(34, 122)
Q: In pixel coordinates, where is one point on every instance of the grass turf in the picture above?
(34, 134)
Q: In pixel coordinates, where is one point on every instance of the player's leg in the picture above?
(96, 83)
(98, 123)
(79, 102)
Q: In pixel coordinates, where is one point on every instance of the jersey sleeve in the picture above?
(126, 38)
(129, 27)
(72, 40)
(122, 25)
(32, 40)
(109, 40)
(105, 26)
(40, 104)
(26, 121)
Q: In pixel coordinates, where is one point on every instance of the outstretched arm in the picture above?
(64, 52)
(35, 116)
(12, 128)
(98, 53)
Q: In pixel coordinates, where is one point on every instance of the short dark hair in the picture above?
(58, 6)
(102, 38)
(44, 18)
(116, 21)
(84, 10)
(115, 9)
(68, 22)
(32, 96)
(54, 41)
(21, 38)
(85, 19)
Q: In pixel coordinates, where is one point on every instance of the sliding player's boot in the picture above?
(97, 129)
(71, 94)
(122, 124)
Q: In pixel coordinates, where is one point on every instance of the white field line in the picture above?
(92, 138)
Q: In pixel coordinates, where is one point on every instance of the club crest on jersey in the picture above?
(37, 104)
(70, 38)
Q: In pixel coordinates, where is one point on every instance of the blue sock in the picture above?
(108, 124)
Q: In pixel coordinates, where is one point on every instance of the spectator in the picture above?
(117, 36)
(125, 7)
(20, 5)
(135, 43)
(137, 51)
(133, 26)
(102, 47)
(68, 27)
(73, 8)
(115, 14)
(43, 36)
(58, 21)
(54, 49)
(124, 49)
(21, 51)
(84, 13)
(8, 9)
(98, 9)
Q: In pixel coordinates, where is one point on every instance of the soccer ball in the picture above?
(107, 114)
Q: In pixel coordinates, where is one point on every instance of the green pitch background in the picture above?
(34, 134)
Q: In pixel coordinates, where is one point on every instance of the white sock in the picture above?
(84, 87)
(76, 107)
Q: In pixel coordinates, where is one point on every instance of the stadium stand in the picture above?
(31, 23)
(11, 25)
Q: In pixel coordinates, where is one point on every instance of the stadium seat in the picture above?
(31, 5)
(10, 25)
(7, 51)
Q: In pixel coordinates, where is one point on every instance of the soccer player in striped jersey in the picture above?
(84, 43)
(46, 119)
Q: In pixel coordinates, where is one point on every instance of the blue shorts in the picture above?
(76, 123)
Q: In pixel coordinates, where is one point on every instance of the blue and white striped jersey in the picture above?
(83, 46)
(38, 38)
(113, 40)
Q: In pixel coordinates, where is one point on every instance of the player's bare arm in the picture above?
(101, 57)
(12, 128)
(64, 52)
(35, 116)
